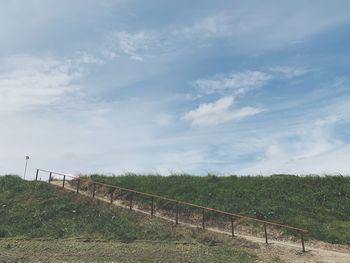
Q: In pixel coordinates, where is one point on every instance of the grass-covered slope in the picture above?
(319, 204)
(41, 223)
(31, 209)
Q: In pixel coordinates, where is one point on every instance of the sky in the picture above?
(224, 87)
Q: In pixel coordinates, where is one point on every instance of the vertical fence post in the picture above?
(131, 197)
(93, 190)
(177, 213)
(50, 177)
(78, 185)
(302, 242)
(265, 234)
(37, 173)
(152, 206)
(64, 181)
(112, 196)
(232, 228)
(203, 219)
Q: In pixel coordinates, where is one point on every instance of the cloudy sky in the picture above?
(231, 87)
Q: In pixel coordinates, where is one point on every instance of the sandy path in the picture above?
(286, 250)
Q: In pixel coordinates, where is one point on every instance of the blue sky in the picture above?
(229, 87)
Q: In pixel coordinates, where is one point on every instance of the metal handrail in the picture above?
(302, 231)
(198, 206)
(47, 171)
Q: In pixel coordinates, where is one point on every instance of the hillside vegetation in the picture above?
(30, 209)
(319, 204)
(42, 223)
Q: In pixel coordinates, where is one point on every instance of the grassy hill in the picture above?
(319, 204)
(30, 209)
(40, 223)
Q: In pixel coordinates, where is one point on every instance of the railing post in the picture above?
(50, 177)
(232, 228)
(78, 185)
(37, 173)
(203, 219)
(64, 181)
(131, 197)
(93, 190)
(302, 242)
(177, 213)
(152, 206)
(265, 233)
(112, 196)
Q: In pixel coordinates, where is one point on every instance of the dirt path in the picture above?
(319, 252)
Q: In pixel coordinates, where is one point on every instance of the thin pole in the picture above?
(25, 168)
(93, 190)
(131, 196)
(37, 173)
(302, 242)
(64, 181)
(232, 228)
(177, 213)
(50, 177)
(152, 207)
(265, 234)
(78, 185)
(203, 219)
(112, 196)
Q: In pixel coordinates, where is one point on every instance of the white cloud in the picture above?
(244, 27)
(309, 152)
(211, 114)
(309, 144)
(49, 114)
(211, 26)
(93, 137)
(256, 26)
(290, 72)
(28, 81)
(84, 58)
(116, 135)
(237, 83)
(134, 45)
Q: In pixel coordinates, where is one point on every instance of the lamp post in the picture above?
(25, 168)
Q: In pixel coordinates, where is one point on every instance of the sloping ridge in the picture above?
(319, 253)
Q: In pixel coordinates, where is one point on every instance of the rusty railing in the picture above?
(153, 197)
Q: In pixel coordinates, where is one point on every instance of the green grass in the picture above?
(79, 251)
(40, 223)
(32, 209)
(319, 204)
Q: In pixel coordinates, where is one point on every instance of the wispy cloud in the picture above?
(240, 27)
(211, 114)
(235, 83)
(134, 45)
(290, 72)
(85, 58)
(219, 25)
(28, 81)
(88, 93)
(308, 143)
(299, 152)
(270, 27)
